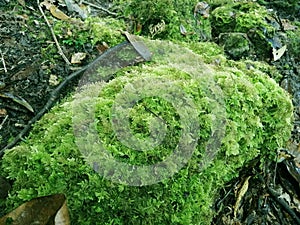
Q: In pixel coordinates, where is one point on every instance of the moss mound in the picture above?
(257, 115)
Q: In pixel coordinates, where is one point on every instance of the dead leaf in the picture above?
(182, 30)
(286, 197)
(22, 2)
(278, 53)
(53, 80)
(73, 7)
(138, 45)
(42, 211)
(62, 216)
(18, 100)
(202, 8)
(241, 194)
(46, 4)
(58, 13)
(287, 25)
(102, 48)
(78, 57)
(3, 112)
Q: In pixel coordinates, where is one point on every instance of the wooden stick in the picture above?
(3, 62)
(53, 35)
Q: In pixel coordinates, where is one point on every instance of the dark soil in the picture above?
(25, 77)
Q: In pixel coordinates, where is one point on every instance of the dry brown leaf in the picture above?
(46, 4)
(241, 194)
(58, 13)
(78, 57)
(42, 211)
(62, 217)
(22, 3)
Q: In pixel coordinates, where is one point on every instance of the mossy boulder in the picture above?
(252, 23)
(253, 110)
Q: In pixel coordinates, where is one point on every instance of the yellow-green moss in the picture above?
(258, 117)
(93, 30)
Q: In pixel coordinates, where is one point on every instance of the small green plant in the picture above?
(149, 14)
(93, 30)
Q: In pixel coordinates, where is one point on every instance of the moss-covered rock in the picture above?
(253, 22)
(256, 118)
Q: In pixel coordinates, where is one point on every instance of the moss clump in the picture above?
(164, 16)
(257, 113)
(248, 21)
(93, 30)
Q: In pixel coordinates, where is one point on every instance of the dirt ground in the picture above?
(27, 80)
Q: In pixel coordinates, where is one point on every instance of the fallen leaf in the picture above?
(102, 48)
(46, 4)
(73, 7)
(58, 13)
(287, 25)
(138, 45)
(202, 8)
(286, 197)
(78, 57)
(22, 3)
(278, 53)
(53, 80)
(182, 30)
(43, 211)
(3, 112)
(18, 100)
(241, 194)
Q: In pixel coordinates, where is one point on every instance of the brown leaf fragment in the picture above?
(202, 8)
(78, 57)
(241, 194)
(138, 45)
(62, 217)
(40, 211)
(58, 13)
(18, 100)
(22, 3)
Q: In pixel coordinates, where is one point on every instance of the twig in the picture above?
(53, 35)
(4, 120)
(3, 62)
(100, 7)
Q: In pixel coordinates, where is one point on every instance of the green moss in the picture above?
(294, 42)
(249, 21)
(93, 30)
(146, 15)
(258, 120)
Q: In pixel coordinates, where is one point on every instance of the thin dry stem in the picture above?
(53, 35)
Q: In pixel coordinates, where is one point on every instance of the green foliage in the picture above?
(258, 121)
(93, 30)
(248, 19)
(294, 42)
(172, 13)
